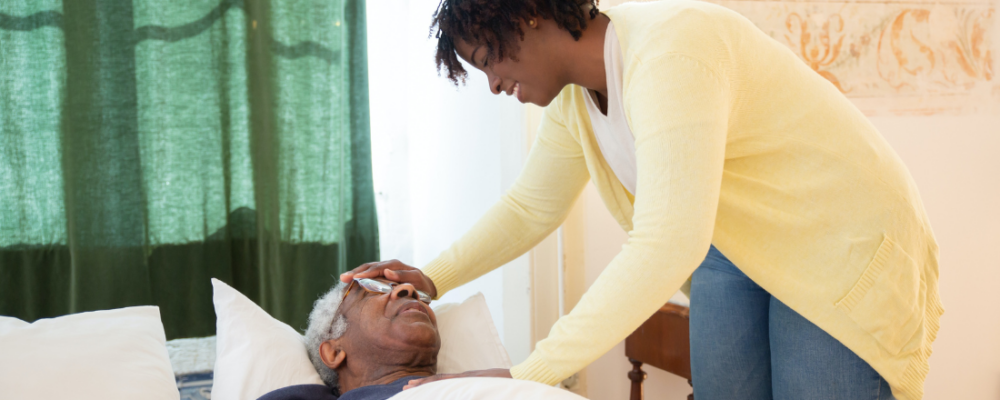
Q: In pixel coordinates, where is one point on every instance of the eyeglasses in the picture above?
(373, 286)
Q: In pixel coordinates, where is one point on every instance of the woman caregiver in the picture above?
(703, 135)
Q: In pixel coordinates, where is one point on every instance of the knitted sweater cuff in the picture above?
(535, 369)
(443, 274)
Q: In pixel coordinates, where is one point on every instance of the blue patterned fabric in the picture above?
(196, 386)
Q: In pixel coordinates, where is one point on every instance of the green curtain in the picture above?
(149, 145)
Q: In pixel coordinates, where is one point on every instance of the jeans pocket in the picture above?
(887, 301)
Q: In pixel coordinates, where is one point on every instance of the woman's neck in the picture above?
(585, 58)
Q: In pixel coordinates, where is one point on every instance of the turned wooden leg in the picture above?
(691, 396)
(636, 375)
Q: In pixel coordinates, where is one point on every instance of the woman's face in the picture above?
(535, 76)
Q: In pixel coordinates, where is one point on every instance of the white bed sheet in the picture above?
(486, 389)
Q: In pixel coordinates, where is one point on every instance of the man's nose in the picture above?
(404, 290)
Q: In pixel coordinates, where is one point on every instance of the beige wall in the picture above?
(956, 165)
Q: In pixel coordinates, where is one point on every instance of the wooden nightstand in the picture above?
(663, 341)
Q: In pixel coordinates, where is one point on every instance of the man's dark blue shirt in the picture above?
(323, 392)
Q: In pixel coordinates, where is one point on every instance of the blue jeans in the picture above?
(745, 344)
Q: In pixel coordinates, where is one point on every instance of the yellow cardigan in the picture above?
(741, 145)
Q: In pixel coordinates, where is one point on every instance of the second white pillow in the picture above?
(254, 353)
(469, 340)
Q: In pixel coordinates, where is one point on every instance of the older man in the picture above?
(367, 339)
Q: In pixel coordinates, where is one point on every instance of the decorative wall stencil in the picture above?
(892, 57)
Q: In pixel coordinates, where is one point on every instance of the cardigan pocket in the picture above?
(887, 301)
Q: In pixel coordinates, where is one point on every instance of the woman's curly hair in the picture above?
(497, 25)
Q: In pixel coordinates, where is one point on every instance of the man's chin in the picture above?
(419, 334)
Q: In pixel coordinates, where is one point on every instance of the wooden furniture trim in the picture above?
(663, 341)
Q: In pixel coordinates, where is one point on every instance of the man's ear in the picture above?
(331, 354)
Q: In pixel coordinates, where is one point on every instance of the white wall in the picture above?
(441, 155)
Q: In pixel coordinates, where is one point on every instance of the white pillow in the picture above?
(469, 340)
(112, 354)
(485, 389)
(256, 353)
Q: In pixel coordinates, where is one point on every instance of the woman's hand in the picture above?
(483, 373)
(393, 270)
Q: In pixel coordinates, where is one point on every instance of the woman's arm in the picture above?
(553, 176)
(679, 112)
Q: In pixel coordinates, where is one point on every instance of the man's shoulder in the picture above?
(301, 392)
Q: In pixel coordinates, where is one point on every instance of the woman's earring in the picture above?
(531, 23)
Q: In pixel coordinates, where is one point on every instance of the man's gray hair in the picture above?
(322, 328)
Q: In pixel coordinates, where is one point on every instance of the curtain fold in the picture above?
(148, 145)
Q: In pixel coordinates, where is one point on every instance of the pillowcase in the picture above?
(111, 354)
(469, 340)
(485, 389)
(256, 353)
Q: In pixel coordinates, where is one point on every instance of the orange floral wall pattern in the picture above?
(893, 57)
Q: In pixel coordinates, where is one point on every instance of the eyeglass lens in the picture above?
(383, 287)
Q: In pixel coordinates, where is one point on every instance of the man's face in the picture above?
(388, 325)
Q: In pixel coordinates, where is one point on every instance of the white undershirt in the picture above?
(613, 134)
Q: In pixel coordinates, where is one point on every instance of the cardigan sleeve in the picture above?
(539, 200)
(678, 109)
